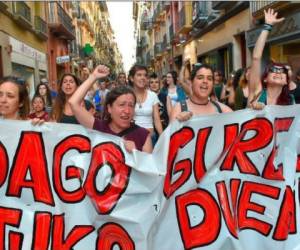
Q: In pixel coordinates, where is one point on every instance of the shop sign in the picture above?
(26, 50)
(62, 59)
(290, 26)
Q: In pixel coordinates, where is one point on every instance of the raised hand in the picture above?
(271, 17)
(101, 71)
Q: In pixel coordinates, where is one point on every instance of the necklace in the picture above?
(197, 103)
(140, 101)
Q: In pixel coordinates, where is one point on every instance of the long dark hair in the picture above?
(23, 94)
(48, 101)
(133, 70)
(284, 98)
(174, 75)
(240, 75)
(60, 99)
(113, 95)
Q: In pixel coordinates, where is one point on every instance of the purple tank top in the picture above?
(137, 134)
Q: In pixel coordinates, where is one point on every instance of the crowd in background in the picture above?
(139, 107)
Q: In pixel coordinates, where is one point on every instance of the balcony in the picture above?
(164, 43)
(22, 14)
(221, 5)
(200, 15)
(157, 19)
(3, 6)
(40, 28)
(166, 5)
(185, 19)
(158, 49)
(146, 24)
(171, 32)
(75, 9)
(148, 59)
(142, 42)
(74, 50)
(60, 23)
(257, 7)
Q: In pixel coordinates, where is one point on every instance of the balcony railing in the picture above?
(148, 59)
(74, 49)
(60, 22)
(166, 5)
(200, 14)
(257, 7)
(146, 24)
(171, 32)
(164, 43)
(3, 5)
(184, 19)
(22, 14)
(158, 49)
(220, 5)
(40, 27)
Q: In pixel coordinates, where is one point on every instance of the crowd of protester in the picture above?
(140, 107)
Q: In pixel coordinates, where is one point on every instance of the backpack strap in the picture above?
(218, 107)
(183, 105)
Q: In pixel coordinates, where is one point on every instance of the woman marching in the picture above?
(146, 108)
(199, 103)
(118, 113)
(14, 99)
(62, 111)
(273, 87)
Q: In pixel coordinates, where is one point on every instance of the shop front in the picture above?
(27, 63)
(219, 59)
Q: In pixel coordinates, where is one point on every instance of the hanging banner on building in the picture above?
(228, 181)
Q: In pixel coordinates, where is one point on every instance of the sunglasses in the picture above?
(277, 69)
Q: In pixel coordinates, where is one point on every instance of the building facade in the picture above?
(23, 41)
(47, 39)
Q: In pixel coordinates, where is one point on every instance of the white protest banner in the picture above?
(228, 181)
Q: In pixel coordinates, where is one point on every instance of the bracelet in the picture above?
(267, 27)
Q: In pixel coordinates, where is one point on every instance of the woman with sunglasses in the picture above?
(118, 113)
(273, 89)
(14, 99)
(199, 103)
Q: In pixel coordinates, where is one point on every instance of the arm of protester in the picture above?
(255, 71)
(179, 115)
(147, 147)
(169, 106)
(82, 115)
(257, 105)
(223, 96)
(225, 108)
(37, 121)
(184, 78)
(156, 117)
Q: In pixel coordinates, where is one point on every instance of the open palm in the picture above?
(271, 17)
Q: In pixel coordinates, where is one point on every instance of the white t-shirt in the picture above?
(173, 97)
(143, 112)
